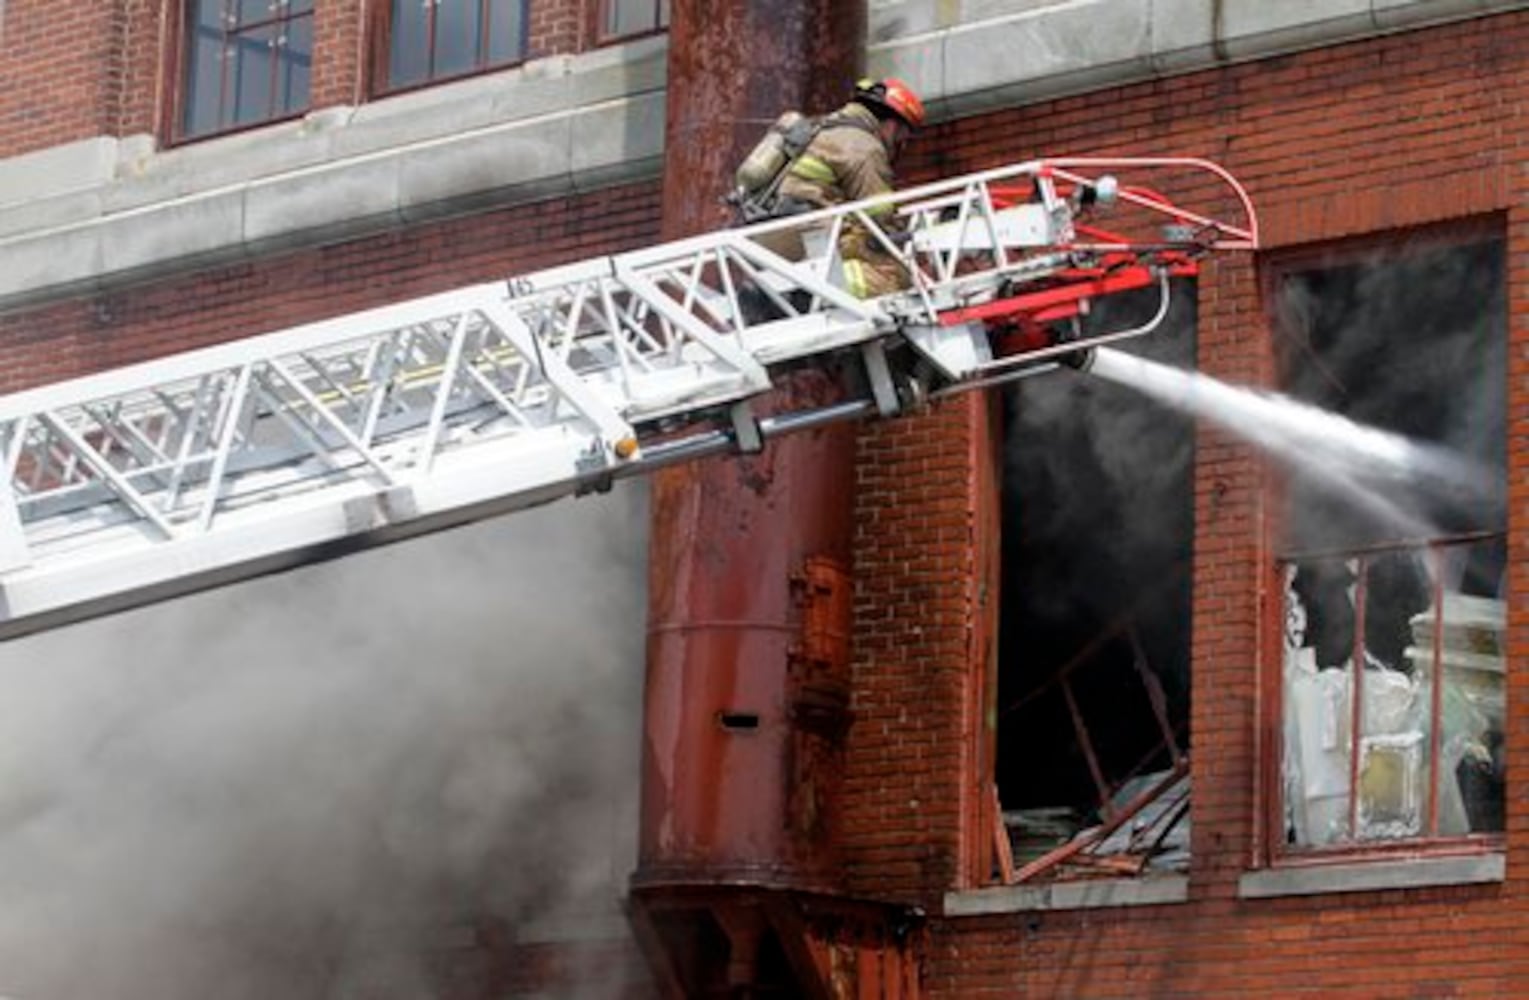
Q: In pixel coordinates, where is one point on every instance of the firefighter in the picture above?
(851, 158)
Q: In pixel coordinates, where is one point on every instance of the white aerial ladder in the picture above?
(222, 463)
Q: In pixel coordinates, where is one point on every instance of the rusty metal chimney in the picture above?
(746, 689)
(747, 697)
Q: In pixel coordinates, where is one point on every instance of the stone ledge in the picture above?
(95, 214)
(1372, 876)
(1081, 895)
(107, 211)
(968, 56)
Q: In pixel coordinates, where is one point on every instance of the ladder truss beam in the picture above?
(216, 464)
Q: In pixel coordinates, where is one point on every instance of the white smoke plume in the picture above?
(1353, 460)
(303, 786)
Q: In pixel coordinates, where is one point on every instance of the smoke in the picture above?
(1097, 477)
(1412, 343)
(1368, 468)
(1097, 531)
(309, 785)
(1409, 340)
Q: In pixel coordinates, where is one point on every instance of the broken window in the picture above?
(1098, 524)
(1393, 550)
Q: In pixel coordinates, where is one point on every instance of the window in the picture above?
(247, 61)
(625, 18)
(431, 40)
(1391, 689)
(1098, 529)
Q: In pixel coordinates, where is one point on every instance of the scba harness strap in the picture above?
(763, 201)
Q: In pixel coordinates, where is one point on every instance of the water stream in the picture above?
(1363, 465)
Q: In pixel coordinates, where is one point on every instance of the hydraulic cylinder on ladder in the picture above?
(200, 468)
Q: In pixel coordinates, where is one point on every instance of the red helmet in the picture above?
(893, 95)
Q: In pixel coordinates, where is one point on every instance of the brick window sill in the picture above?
(1080, 895)
(1370, 876)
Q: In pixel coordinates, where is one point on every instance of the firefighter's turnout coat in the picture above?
(846, 161)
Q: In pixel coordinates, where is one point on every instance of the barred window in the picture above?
(1392, 699)
(432, 40)
(247, 61)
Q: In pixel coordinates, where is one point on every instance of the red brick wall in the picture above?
(71, 338)
(72, 70)
(139, 90)
(924, 584)
(58, 63)
(1385, 134)
(341, 61)
(558, 26)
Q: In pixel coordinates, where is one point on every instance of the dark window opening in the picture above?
(247, 61)
(434, 40)
(1398, 572)
(1098, 524)
(628, 18)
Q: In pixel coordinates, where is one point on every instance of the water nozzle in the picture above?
(1102, 192)
(1077, 360)
(1080, 361)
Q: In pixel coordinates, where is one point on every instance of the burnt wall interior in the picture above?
(1097, 531)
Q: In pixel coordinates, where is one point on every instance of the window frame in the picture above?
(381, 50)
(1269, 850)
(176, 102)
(1149, 695)
(600, 19)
